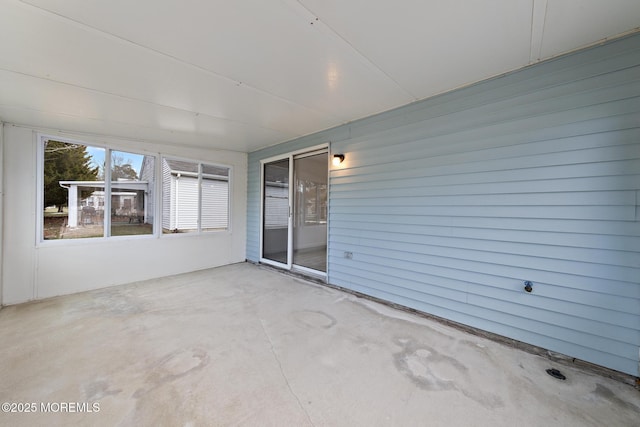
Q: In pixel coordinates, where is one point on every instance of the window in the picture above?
(132, 191)
(195, 196)
(97, 192)
(77, 191)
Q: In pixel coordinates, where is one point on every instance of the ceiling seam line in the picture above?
(180, 61)
(533, 9)
(115, 95)
(370, 61)
(544, 25)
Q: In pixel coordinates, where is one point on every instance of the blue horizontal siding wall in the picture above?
(449, 204)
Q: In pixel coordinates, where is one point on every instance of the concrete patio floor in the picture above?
(245, 345)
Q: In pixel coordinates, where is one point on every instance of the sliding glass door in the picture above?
(294, 211)
(276, 210)
(310, 211)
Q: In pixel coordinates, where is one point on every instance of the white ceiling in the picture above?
(245, 74)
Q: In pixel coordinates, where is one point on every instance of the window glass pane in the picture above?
(73, 191)
(275, 242)
(215, 197)
(179, 196)
(310, 224)
(132, 198)
(186, 190)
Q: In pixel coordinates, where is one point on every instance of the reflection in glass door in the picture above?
(310, 211)
(275, 226)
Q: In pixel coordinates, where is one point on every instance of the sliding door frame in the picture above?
(263, 163)
(289, 157)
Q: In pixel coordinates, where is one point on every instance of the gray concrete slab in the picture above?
(244, 345)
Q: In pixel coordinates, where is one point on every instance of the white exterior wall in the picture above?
(167, 196)
(214, 201)
(184, 204)
(32, 270)
(180, 203)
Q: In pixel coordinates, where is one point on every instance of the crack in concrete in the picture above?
(286, 380)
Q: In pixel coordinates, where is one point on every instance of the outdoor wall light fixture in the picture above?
(337, 159)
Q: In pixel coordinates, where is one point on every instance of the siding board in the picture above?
(544, 340)
(450, 128)
(615, 294)
(474, 295)
(447, 205)
(567, 240)
(582, 305)
(617, 213)
(568, 266)
(504, 317)
(418, 198)
(605, 228)
(528, 132)
(451, 186)
(611, 168)
(464, 162)
(590, 255)
(504, 147)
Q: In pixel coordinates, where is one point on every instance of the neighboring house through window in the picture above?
(195, 196)
(81, 198)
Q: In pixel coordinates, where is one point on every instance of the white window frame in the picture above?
(198, 230)
(40, 241)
